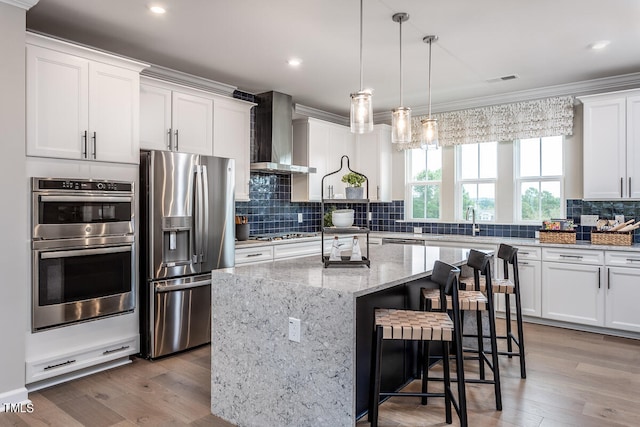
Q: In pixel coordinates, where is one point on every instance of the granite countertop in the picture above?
(390, 265)
(464, 240)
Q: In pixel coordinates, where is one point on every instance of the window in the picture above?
(539, 182)
(424, 178)
(476, 179)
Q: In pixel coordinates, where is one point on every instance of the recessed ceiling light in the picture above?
(600, 45)
(294, 62)
(157, 9)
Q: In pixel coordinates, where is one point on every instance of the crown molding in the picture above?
(303, 110)
(586, 87)
(174, 76)
(23, 4)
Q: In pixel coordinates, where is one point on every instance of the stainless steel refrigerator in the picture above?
(186, 230)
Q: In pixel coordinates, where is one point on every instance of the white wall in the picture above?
(14, 252)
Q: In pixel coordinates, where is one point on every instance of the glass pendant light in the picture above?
(361, 108)
(401, 116)
(429, 137)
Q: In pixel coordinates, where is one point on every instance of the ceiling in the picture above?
(246, 43)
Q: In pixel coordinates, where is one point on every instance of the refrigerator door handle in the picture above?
(198, 215)
(204, 218)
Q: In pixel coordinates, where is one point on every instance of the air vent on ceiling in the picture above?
(503, 78)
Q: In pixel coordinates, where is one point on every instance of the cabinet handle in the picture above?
(633, 260)
(621, 181)
(629, 188)
(84, 138)
(598, 277)
(523, 263)
(377, 192)
(571, 256)
(124, 347)
(169, 139)
(95, 142)
(608, 278)
(252, 255)
(68, 362)
(175, 146)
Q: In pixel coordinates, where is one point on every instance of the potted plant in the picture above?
(354, 183)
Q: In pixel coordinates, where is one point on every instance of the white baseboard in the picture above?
(18, 396)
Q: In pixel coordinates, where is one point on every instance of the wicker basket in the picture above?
(612, 238)
(557, 236)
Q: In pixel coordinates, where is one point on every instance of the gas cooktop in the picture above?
(284, 236)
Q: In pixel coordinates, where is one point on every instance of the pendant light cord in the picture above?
(361, 69)
(430, 41)
(401, 103)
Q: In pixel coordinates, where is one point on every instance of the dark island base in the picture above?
(399, 364)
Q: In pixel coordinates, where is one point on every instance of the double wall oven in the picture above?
(83, 249)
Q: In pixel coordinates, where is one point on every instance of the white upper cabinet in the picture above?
(81, 104)
(373, 158)
(155, 117)
(321, 145)
(612, 145)
(232, 138)
(175, 119)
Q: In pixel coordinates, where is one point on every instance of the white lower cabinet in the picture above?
(254, 255)
(530, 274)
(74, 360)
(296, 250)
(623, 291)
(573, 293)
(573, 286)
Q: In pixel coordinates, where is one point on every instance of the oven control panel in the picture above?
(81, 185)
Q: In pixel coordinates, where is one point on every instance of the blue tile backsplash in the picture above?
(270, 210)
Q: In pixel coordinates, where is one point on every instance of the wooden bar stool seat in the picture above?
(422, 326)
(500, 286)
(469, 300)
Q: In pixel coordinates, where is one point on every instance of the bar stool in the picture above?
(392, 324)
(475, 301)
(507, 287)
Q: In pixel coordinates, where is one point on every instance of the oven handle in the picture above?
(182, 286)
(116, 199)
(83, 252)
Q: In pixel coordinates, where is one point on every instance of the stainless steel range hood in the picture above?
(273, 148)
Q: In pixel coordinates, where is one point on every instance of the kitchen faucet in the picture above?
(474, 228)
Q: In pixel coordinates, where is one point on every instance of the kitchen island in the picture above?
(260, 377)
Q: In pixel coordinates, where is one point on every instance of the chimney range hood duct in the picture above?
(273, 148)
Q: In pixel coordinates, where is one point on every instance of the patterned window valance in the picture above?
(507, 122)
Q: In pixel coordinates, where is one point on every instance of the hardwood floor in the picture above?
(573, 379)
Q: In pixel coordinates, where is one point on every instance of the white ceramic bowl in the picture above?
(342, 217)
